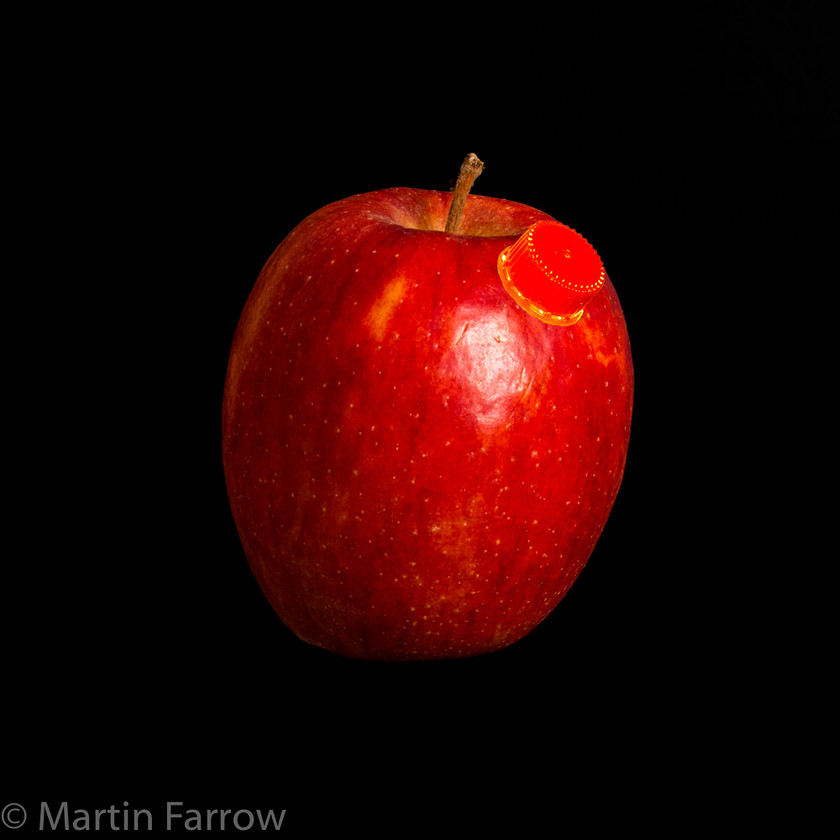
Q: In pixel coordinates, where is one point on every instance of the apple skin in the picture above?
(417, 468)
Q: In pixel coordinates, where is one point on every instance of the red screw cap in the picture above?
(552, 272)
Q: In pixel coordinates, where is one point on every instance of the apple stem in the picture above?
(471, 168)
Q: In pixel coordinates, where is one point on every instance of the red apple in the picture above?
(417, 467)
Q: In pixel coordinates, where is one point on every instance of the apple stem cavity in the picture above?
(471, 168)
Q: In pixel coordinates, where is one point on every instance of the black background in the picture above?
(162, 159)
